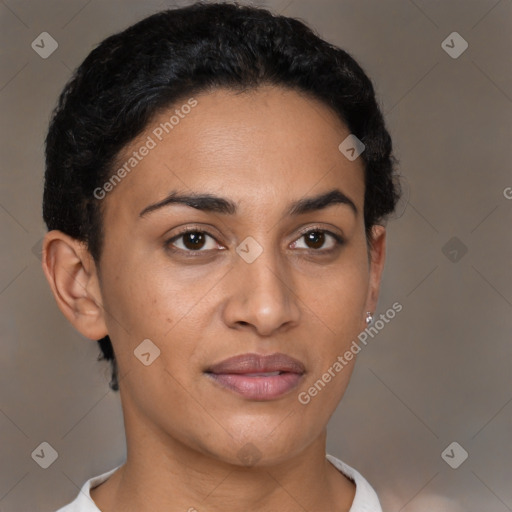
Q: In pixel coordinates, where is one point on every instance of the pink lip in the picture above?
(242, 374)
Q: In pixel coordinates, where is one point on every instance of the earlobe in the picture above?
(71, 273)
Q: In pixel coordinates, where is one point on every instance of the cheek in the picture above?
(338, 311)
(146, 299)
(341, 295)
(160, 304)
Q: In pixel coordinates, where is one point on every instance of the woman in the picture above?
(216, 188)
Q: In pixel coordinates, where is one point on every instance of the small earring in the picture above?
(369, 317)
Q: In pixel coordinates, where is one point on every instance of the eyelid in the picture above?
(307, 229)
(338, 238)
(184, 231)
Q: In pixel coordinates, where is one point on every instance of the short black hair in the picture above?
(133, 75)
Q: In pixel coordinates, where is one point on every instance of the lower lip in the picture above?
(258, 388)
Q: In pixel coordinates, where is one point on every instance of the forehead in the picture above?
(262, 148)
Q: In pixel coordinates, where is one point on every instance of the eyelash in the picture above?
(339, 241)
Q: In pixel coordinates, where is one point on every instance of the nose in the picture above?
(262, 296)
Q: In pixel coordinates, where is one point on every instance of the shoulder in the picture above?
(83, 502)
(366, 499)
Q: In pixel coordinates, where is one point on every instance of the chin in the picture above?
(263, 446)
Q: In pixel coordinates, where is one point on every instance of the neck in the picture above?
(163, 473)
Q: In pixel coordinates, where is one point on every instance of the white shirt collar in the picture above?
(365, 499)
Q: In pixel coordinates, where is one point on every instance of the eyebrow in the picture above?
(212, 203)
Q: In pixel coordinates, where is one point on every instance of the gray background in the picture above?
(439, 372)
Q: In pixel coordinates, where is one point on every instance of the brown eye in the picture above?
(191, 241)
(316, 239)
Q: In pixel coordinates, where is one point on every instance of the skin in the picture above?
(262, 149)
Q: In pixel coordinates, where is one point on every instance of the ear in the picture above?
(377, 256)
(73, 278)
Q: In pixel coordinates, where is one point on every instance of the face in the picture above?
(255, 302)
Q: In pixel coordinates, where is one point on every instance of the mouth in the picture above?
(258, 377)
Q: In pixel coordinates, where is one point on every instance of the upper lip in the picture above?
(256, 363)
